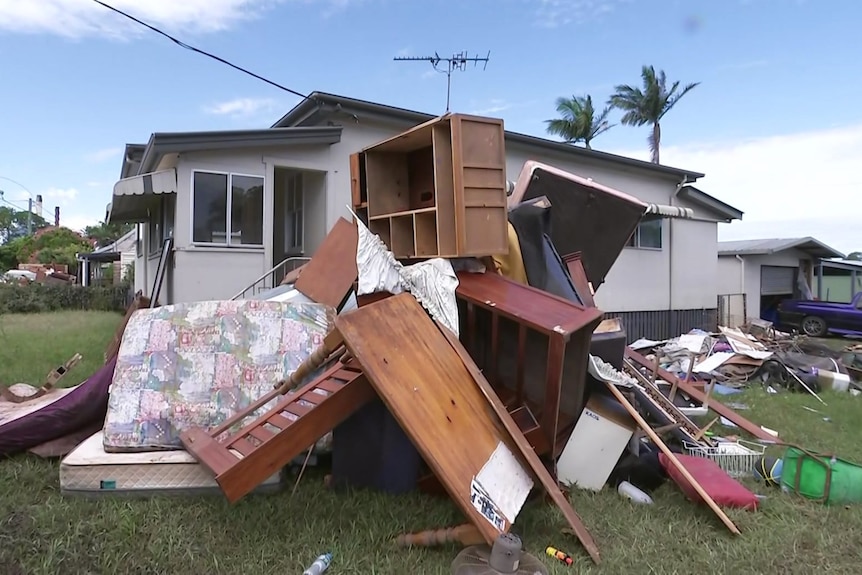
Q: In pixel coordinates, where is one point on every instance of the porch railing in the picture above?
(268, 281)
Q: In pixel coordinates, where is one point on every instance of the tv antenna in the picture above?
(455, 62)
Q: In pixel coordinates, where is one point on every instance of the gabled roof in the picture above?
(142, 159)
(770, 246)
(711, 203)
(320, 105)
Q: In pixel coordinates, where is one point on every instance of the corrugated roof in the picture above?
(769, 246)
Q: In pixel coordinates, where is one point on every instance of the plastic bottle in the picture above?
(320, 565)
(629, 491)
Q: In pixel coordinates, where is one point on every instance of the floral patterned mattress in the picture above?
(197, 364)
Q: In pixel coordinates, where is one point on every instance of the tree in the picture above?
(13, 223)
(648, 105)
(105, 233)
(855, 256)
(58, 245)
(578, 121)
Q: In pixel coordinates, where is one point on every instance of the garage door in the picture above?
(777, 280)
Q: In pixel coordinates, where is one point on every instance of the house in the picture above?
(236, 203)
(838, 280)
(767, 271)
(109, 264)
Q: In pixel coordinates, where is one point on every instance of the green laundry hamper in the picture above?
(821, 477)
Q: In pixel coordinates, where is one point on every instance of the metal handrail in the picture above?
(274, 269)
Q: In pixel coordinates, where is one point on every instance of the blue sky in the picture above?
(774, 124)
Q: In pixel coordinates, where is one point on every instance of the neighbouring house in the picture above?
(838, 280)
(754, 276)
(236, 203)
(109, 264)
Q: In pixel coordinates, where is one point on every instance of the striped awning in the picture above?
(668, 211)
(133, 197)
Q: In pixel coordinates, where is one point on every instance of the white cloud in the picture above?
(240, 107)
(73, 221)
(103, 155)
(60, 194)
(79, 18)
(494, 106)
(554, 13)
(793, 185)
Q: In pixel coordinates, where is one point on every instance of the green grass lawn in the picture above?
(43, 532)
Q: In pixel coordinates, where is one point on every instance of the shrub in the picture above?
(36, 298)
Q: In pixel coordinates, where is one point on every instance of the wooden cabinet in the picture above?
(437, 190)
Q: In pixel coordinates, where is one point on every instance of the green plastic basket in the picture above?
(821, 477)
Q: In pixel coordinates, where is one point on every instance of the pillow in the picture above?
(196, 364)
(724, 490)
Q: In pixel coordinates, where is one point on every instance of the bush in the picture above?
(36, 298)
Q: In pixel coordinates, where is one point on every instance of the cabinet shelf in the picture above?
(437, 190)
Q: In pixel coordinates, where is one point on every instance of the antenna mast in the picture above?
(455, 62)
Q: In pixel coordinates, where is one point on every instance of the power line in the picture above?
(199, 51)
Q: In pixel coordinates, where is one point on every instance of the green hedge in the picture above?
(36, 298)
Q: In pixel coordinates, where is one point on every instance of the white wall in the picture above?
(729, 278)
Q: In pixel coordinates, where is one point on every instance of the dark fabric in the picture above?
(78, 409)
(532, 223)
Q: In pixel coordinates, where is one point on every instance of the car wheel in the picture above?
(813, 326)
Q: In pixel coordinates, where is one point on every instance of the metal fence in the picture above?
(732, 309)
(665, 324)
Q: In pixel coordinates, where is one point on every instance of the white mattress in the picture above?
(89, 470)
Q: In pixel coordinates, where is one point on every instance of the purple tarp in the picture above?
(82, 407)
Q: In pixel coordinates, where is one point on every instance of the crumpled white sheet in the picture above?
(432, 282)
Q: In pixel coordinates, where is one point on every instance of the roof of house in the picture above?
(710, 202)
(319, 104)
(142, 159)
(770, 246)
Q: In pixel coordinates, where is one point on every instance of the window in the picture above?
(223, 218)
(293, 216)
(139, 240)
(160, 225)
(647, 234)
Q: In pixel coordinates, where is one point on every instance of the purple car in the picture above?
(818, 318)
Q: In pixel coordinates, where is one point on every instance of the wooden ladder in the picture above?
(242, 461)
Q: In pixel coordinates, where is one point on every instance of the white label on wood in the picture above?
(486, 507)
(505, 481)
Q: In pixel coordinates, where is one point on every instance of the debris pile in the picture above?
(456, 348)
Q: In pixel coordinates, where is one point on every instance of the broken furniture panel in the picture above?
(243, 460)
(587, 217)
(330, 274)
(533, 347)
(425, 385)
(700, 396)
(436, 190)
(552, 488)
(578, 275)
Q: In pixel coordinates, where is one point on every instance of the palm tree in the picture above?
(648, 106)
(578, 121)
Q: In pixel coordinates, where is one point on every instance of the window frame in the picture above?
(296, 250)
(228, 211)
(635, 238)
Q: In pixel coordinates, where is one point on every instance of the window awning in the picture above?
(668, 211)
(134, 197)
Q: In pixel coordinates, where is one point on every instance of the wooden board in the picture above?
(427, 388)
(524, 448)
(329, 276)
(700, 396)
